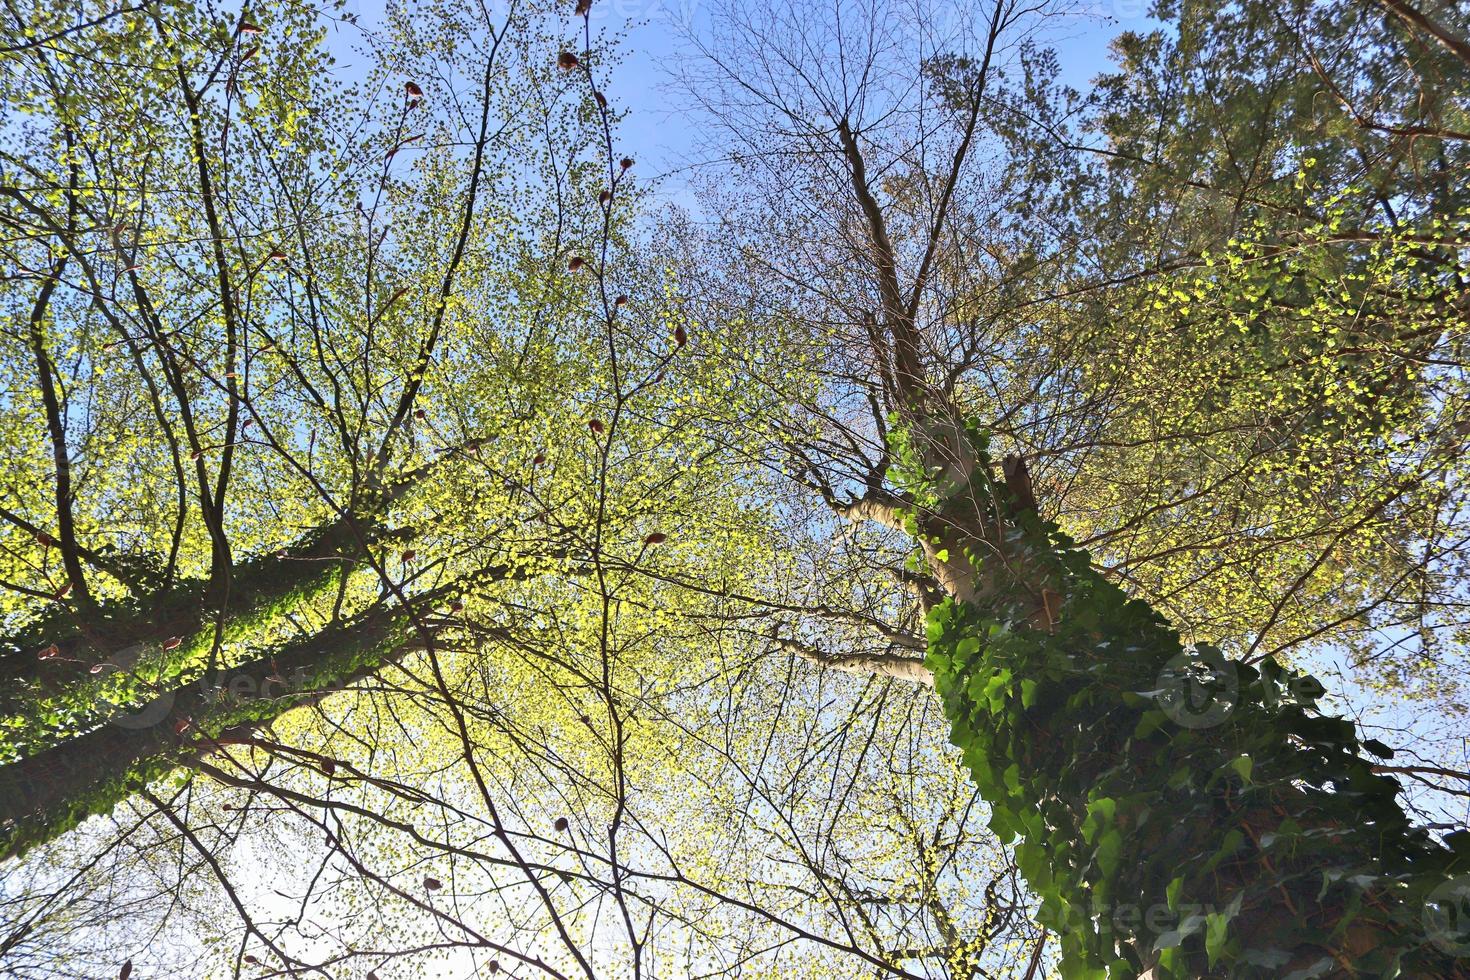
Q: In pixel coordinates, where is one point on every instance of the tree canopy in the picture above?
(424, 552)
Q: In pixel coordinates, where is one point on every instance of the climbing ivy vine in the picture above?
(1175, 809)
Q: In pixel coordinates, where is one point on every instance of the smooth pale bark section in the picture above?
(897, 666)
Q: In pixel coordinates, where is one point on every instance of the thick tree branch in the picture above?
(1423, 22)
(897, 666)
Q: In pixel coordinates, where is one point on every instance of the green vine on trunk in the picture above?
(151, 745)
(1175, 810)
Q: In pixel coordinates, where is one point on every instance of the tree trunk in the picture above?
(1179, 815)
(52, 791)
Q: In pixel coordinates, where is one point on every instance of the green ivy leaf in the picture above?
(1108, 849)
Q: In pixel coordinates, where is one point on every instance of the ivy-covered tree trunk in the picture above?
(92, 707)
(53, 790)
(58, 651)
(1178, 814)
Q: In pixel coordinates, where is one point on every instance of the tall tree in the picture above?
(621, 695)
(242, 331)
(490, 536)
(1065, 694)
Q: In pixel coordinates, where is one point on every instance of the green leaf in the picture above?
(1100, 812)
(1108, 850)
(1214, 938)
(1012, 778)
(1317, 969)
(1231, 844)
(1149, 722)
(1175, 937)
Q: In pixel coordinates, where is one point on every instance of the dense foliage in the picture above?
(420, 551)
(1177, 810)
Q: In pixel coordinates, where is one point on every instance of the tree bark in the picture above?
(1256, 810)
(1269, 820)
(50, 792)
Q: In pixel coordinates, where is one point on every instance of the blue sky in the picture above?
(661, 140)
(656, 33)
(655, 41)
